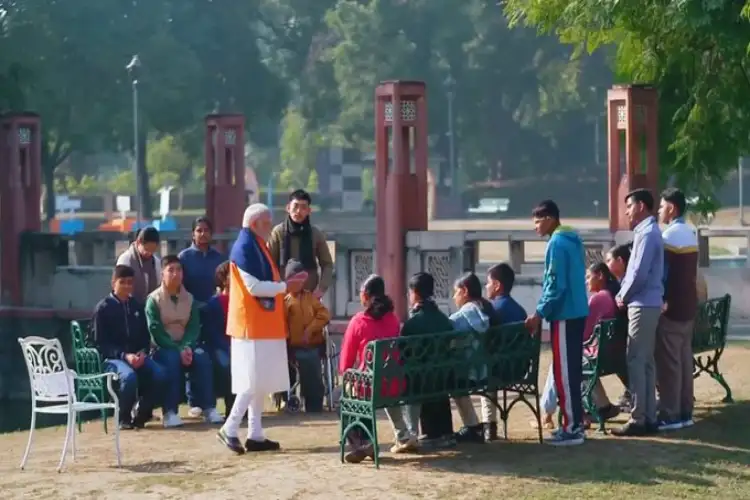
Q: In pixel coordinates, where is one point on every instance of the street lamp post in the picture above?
(450, 85)
(740, 176)
(133, 68)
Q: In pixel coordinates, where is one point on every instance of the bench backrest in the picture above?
(610, 339)
(710, 330)
(79, 333)
(422, 367)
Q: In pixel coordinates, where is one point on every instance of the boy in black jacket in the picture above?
(121, 336)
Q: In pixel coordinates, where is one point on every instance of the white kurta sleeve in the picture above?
(258, 288)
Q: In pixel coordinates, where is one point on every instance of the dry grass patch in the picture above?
(712, 458)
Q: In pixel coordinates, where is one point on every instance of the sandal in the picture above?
(546, 424)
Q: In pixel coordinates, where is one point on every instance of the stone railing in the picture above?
(73, 272)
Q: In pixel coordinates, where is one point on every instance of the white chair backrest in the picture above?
(49, 376)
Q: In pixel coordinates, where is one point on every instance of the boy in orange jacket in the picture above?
(307, 318)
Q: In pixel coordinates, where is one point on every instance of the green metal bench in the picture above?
(420, 368)
(710, 339)
(87, 362)
(610, 338)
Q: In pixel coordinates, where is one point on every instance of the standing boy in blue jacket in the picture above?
(564, 303)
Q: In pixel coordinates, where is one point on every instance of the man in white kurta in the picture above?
(256, 325)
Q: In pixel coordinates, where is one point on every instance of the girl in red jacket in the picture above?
(376, 322)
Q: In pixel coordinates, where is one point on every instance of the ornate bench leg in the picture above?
(504, 414)
(711, 367)
(375, 445)
(588, 402)
(717, 376)
(539, 418)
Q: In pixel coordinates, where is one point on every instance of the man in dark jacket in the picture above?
(121, 336)
(425, 317)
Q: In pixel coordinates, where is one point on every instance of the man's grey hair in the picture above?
(253, 213)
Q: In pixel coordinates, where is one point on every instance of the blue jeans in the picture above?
(223, 376)
(222, 379)
(311, 377)
(201, 376)
(148, 381)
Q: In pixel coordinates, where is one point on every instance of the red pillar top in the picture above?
(225, 170)
(400, 179)
(633, 146)
(20, 194)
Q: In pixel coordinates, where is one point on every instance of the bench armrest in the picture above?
(108, 376)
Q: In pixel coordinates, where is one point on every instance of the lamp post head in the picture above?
(133, 66)
(449, 83)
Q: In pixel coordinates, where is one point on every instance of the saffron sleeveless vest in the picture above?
(248, 319)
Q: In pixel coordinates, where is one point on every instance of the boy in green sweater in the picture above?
(174, 324)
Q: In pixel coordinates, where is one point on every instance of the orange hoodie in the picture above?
(304, 311)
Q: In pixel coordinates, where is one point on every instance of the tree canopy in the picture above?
(526, 79)
(66, 60)
(696, 52)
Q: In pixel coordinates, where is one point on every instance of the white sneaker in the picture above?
(172, 419)
(212, 416)
(195, 412)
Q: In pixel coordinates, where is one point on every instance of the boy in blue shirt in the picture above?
(500, 280)
(214, 335)
(564, 304)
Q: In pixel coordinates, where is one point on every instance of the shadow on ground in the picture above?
(718, 445)
(173, 467)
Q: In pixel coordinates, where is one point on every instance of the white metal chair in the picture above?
(53, 384)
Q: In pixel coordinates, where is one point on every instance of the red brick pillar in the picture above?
(20, 195)
(225, 170)
(400, 179)
(633, 150)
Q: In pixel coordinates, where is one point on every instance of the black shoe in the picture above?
(625, 403)
(608, 412)
(652, 428)
(265, 445)
(472, 434)
(140, 422)
(490, 431)
(632, 429)
(126, 425)
(140, 419)
(232, 443)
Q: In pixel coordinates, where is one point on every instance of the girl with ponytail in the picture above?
(376, 322)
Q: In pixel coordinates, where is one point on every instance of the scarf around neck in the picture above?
(303, 231)
(250, 257)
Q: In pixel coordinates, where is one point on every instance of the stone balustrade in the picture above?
(72, 272)
(64, 276)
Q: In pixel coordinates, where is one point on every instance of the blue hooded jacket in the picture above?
(564, 284)
(471, 318)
